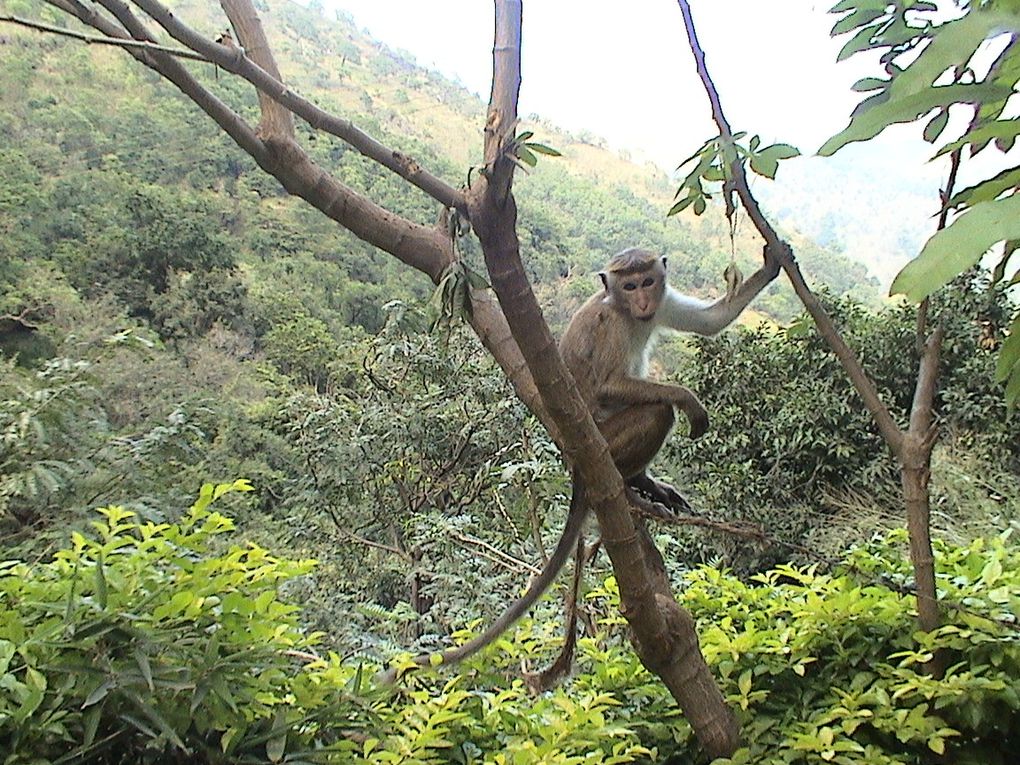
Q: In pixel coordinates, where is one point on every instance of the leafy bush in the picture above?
(161, 643)
(827, 668)
(820, 668)
(789, 427)
(144, 645)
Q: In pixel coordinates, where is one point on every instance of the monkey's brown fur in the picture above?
(606, 349)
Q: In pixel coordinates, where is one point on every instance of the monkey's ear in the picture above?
(605, 280)
(663, 261)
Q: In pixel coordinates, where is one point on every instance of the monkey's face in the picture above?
(642, 292)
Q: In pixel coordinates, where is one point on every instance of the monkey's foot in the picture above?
(648, 507)
(660, 493)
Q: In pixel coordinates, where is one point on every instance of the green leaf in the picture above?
(541, 148)
(860, 41)
(744, 682)
(524, 155)
(683, 204)
(1009, 353)
(765, 166)
(144, 667)
(1013, 387)
(999, 272)
(276, 747)
(100, 583)
(935, 126)
(883, 112)
(959, 246)
(99, 693)
(851, 5)
(782, 151)
(866, 84)
(981, 135)
(989, 189)
(858, 18)
(91, 720)
(912, 93)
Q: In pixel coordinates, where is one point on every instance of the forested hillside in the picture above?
(171, 317)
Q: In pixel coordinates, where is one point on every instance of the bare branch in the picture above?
(424, 249)
(497, 556)
(103, 40)
(167, 66)
(239, 61)
(26, 318)
(277, 121)
(778, 248)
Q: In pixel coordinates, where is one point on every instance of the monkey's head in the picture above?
(635, 281)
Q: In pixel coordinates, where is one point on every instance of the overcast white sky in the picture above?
(622, 70)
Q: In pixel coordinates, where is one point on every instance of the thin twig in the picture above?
(103, 40)
(504, 559)
(780, 249)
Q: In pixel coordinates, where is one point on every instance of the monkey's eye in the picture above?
(629, 286)
(648, 282)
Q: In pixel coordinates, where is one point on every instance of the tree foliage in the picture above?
(937, 63)
(174, 642)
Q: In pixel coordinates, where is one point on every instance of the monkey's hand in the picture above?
(696, 413)
(775, 257)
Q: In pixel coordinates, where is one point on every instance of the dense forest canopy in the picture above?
(172, 319)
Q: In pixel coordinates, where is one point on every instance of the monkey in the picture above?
(226, 37)
(608, 343)
(606, 347)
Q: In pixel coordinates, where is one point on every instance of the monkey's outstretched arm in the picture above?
(568, 540)
(688, 314)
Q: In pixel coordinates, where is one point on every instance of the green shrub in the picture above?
(145, 645)
(819, 668)
(163, 643)
(828, 668)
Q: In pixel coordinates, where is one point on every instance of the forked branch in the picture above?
(861, 382)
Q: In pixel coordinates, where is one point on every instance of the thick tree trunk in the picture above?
(664, 634)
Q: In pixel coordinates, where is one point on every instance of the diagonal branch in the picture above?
(242, 62)
(664, 634)
(103, 39)
(864, 385)
(276, 121)
(171, 69)
(425, 249)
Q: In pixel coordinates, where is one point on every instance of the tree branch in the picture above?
(891, 432)
(496, 555)
(664, 634)
(426, 250)
(277, 122)
(238, 61)
(171, 69)
(102, 39)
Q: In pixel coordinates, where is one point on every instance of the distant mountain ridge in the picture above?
(105, 112)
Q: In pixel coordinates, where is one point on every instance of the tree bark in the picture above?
(911, 447)
(663, 633)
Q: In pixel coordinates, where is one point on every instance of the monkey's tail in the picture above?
(517, 609)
